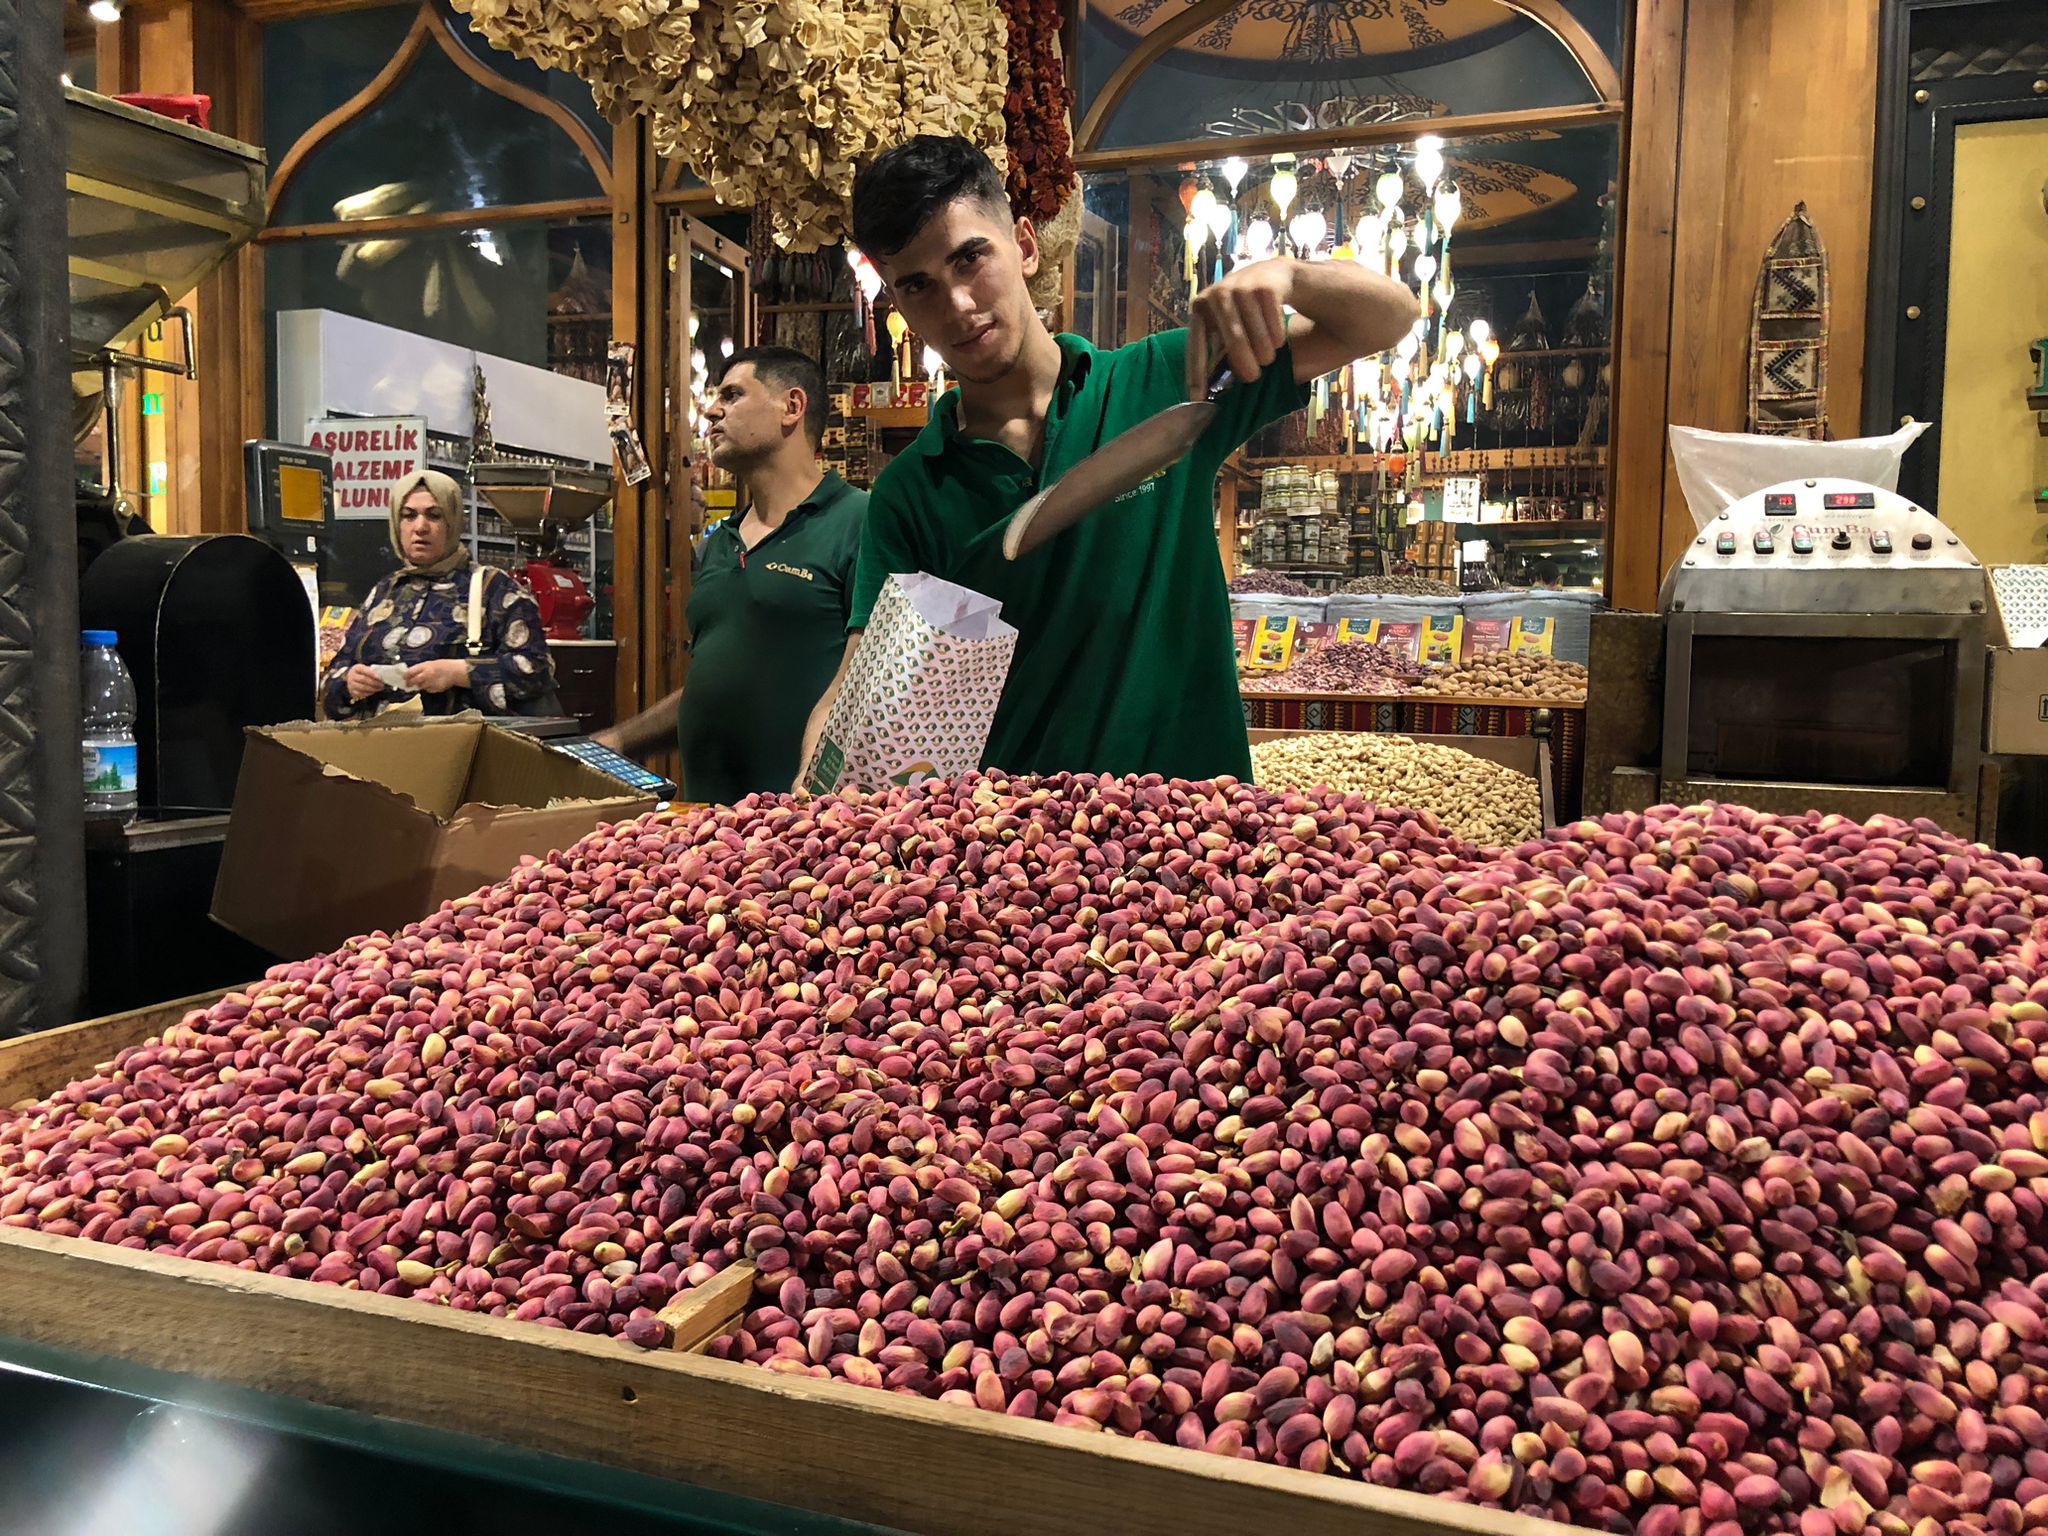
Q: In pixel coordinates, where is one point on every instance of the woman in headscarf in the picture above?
(411, 637)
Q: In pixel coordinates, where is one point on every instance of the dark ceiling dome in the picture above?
(1383, 33)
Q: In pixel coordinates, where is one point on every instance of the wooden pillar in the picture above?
(42, 908)
(1737, 110)
(637, 317)
(1642, 329)
(209, 48)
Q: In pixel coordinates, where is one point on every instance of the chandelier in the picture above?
(1392, 209)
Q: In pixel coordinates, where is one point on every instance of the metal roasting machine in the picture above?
(1824, 648)
(1819, 645)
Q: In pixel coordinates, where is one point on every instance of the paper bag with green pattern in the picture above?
(921, 694)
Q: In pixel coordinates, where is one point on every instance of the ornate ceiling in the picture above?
(1319, 30)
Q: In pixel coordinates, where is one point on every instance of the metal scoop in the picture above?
(1122, 464)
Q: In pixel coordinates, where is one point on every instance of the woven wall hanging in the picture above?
(1788, 335)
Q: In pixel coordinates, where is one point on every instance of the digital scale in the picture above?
(291, 496)
(594, 754)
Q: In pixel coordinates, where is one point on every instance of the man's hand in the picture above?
(1241, 316)
(612, 739)
(437, 676)
(362, 683)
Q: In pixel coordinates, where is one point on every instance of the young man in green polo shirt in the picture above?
(772, 591)
(1124, 660)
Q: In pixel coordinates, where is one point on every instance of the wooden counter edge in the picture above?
(905, 1462)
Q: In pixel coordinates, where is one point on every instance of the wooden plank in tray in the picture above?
(825, 1446)
(704, 1312)
(907, 1462)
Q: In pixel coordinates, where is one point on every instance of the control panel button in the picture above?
(1923, 541)
(1880, 543)
(1850, 501)
(1840, 540)
(1802, 544)
(1762, 541)
(1779, 503)
(1724, 544)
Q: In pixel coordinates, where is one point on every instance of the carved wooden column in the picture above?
(42, 903)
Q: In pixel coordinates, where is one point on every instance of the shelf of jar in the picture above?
(1563, 530)
(1456, 462)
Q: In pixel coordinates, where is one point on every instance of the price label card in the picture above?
(1461, 499)
(1484, 635)
(1401, 636)
(1241, 637)
(1533, 634)
(1443, 637)
(1272, 646)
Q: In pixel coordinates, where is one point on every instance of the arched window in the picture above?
(426, 181)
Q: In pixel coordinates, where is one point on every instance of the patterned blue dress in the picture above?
(409, 618)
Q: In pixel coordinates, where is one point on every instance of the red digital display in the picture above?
(1850, 501)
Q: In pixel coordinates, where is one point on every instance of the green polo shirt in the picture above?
(1124, 659)
(767, 628)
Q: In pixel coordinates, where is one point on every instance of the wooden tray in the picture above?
(1527, 755)
(825, 1446)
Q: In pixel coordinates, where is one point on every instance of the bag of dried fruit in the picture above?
(921, 693)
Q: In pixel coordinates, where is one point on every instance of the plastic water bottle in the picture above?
(107, 707)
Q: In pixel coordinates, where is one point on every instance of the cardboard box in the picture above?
(2016, 691)
(2016, 703)
(345, 827)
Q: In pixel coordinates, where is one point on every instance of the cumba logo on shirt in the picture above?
(789, 570)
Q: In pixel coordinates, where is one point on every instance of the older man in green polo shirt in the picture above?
(1124, 660)
(772, 590)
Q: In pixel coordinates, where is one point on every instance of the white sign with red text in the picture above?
(371, 456)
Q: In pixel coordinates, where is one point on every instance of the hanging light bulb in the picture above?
(1234, 171)
(1446, 290)
(1425, 268)
(1449, 203)
(1387, 190)
(1258, 239)
(1479, 330)
(1397, 243)
(1406, 348)
(1454, 343)
(1340, 165)
(864, 274)
(1429, 161)
(1220, 216)
(1472, 365)
(1200, 206)
(1307, 229)
(1284, 186)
